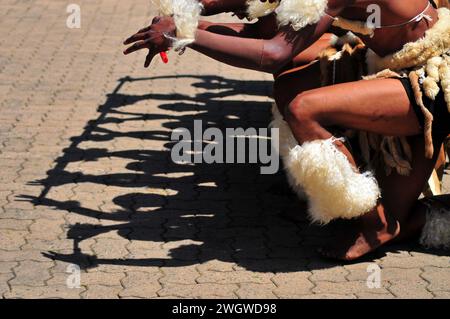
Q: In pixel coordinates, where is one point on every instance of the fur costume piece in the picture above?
(347, 39)
(300, 13)
(287, 143)
(436, 232)
(430, 86)
(343, 61)
(354, 26)
(444, 73)
(186, 14)
(257, 8)
(334, 188)
(414, 77)
(426, 62)
(436, 42)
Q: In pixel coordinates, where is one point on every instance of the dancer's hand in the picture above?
(154, 38)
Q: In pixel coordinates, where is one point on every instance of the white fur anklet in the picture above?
(300, 13)
(436, 232)
(287, 143)
(186, 14)
(334, 188)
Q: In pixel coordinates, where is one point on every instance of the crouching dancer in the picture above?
(403, 105)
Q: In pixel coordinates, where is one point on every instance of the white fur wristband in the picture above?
(186, 14)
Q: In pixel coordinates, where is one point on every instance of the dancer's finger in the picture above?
(136, 46)
(135, 37)
(148, 59)
(144, 29)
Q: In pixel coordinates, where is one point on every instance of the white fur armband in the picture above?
(257, 8)
(186, 14)
(300, 13)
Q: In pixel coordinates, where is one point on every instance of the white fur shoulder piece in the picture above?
(300, 13)
(257, 8)
(436, 232)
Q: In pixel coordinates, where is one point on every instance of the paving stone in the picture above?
(14, 224)
(45, 229)
(31, 273)
(367, 295)
(110, 248)
(199, 290)
(256, 291)
(24, 254)
(101, 292)
(234, 277)
(180, 275)
(417, 260)
(439, 278)
(141, 284)
(215, 265)
(7, 266)
(337, 274)
(90, 278)
(406, 290)
(44, 292)
(292, 284)
(12, 239)
(328, 296)
(4, 286)
(442, 294)
(350, 287)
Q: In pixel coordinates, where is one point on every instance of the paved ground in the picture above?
(87, 178)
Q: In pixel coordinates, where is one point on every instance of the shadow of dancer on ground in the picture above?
(228, 212)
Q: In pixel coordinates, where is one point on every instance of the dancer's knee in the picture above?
(301, 109)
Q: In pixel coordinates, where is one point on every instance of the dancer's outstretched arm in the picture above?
(267, 55)
(265, 28)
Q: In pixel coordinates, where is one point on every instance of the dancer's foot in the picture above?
(363, 235)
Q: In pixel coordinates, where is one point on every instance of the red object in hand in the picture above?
(164, 57)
